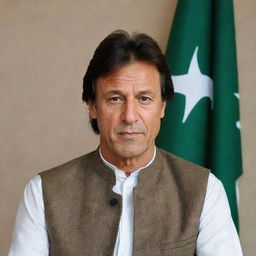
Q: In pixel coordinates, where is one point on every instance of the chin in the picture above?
(131, 151)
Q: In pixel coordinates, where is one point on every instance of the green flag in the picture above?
(201, 123)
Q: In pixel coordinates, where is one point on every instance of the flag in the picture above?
(201, 123)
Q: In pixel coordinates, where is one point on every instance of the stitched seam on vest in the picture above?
(175, 247)
(192, 238)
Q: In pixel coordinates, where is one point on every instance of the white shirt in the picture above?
(217, 233)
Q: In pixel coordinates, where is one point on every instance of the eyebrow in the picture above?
(111, 92)
(146, 92)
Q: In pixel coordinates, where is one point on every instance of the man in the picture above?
(127, 197)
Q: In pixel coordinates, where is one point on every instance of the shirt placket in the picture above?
(126, 231)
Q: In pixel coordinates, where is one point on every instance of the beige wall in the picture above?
(45, 47)
(246, 48)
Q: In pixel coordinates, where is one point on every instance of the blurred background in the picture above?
(45, 47)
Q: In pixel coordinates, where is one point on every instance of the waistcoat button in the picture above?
(113, 201)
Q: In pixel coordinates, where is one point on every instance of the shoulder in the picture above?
(33, 190)
(181, 165)
(189, 178)
(216, 197)
(69, 168)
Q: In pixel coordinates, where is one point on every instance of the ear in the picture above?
(163, 109)
(92, 109)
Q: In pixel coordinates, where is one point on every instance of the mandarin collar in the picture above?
(105, 169)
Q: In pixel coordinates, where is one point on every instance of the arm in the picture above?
(217, 232)
(30, 234)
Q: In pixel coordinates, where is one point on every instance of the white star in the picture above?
(238, 124)
(194, 85)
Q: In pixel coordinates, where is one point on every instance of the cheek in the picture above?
(153, 123)
(156, 120)
(107, 121)
(156, 126)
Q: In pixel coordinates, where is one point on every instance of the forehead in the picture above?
(139, 75)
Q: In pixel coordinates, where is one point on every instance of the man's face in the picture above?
(128, 109)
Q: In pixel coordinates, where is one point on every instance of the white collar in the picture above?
(120, 173)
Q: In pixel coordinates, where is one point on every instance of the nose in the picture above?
(129, 113)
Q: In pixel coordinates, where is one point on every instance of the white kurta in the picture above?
(217, 233)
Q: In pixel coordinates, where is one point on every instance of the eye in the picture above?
(115, 99)
(145, 99)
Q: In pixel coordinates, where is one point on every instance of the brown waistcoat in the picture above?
(167, 205)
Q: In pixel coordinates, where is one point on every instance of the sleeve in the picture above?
(217, 232)
(30, 234)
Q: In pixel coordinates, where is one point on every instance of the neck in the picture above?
(129, 165)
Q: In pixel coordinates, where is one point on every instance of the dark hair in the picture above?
(117, 50)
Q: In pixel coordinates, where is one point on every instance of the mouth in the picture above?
(129, 135)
